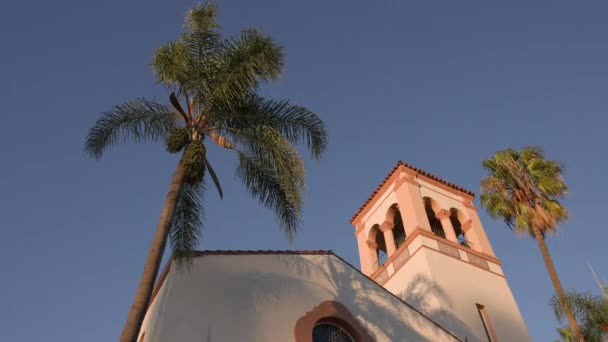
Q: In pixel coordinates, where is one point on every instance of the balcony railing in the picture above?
(382, 256)
(438, 232)
(399, 240)
(463, 242)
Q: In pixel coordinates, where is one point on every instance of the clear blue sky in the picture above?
(440, 85)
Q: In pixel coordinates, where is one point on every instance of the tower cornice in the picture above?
(393, 178)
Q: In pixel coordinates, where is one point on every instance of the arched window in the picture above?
(329, 332)
(456, 218)
(394, 215)
(436, 226)
(377, 237)
(330, 321)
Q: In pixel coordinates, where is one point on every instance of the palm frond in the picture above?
(184, 65)
(589, 309)
(529, 154)
(170, 66)
(490, 165)
(585, 305)
(175, 102)
(138, 120)
(202, 42)
(267, 145)
(566, 334)
(187, 222)
(221, 141)
(245, 61)
(297, 124)
(214, 177)
(267, 185)
(202, 18)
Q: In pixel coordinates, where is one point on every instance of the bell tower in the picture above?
(420, 237)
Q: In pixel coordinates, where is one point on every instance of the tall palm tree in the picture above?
(216, 80)
(524, 188)
(589, 309)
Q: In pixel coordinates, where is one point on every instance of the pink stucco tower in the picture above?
(421, 238)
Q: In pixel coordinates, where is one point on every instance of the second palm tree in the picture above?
(524, 189)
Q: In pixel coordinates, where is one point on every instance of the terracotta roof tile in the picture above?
(417, 170)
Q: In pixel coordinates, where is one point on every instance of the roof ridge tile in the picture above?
(417, 170)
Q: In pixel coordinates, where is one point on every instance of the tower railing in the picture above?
(464, 242)
(382, 256)
(438, 232)
(461, 239)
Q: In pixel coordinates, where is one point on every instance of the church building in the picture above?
(427, 273)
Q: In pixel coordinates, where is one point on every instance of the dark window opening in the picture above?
(435, 223)
(328, 332)
(398, 228)
(485, 320)
(460, 236)
(381, 248)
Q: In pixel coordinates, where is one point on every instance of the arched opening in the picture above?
(376, 236)
(328, 331)
(394, 215)
(330, 321)
(436, 226)
(457, 219)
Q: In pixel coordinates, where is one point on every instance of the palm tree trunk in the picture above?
(146, 284)
(540, 239)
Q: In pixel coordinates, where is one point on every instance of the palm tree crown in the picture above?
(524, 189)
(216, 80)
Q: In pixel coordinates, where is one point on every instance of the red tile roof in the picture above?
(417, 170)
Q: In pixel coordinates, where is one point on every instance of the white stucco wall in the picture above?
(260, 297)
(448, 290)
(466, 285)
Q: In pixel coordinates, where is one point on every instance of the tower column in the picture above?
(389, 238)
(367, 253)
(476, 231)
(444, 216)
(470, 235)
(410, 202)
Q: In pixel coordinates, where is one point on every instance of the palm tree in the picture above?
(524, 188)
(216, 80)
(589, 309)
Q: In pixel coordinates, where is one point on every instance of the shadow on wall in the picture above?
(424, 294)
(385, 316)
(270, 285)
